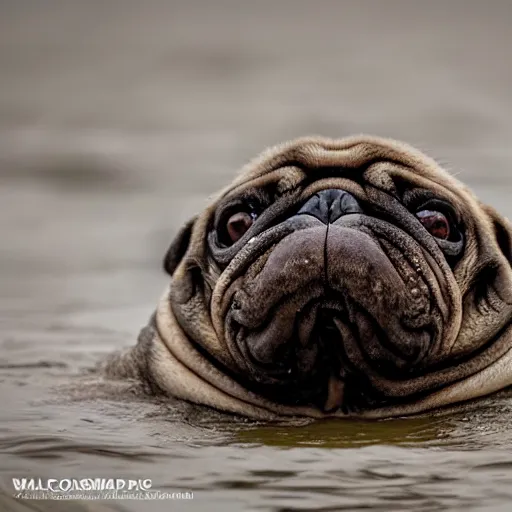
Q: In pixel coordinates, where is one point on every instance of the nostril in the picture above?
(331, 204)
(349, 204)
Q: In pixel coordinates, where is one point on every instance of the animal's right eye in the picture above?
(236, 220)
(237, 225)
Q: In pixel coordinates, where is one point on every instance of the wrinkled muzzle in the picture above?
(330, 299)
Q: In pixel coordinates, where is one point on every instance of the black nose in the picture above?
(331, 204)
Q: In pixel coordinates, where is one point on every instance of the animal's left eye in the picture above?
(436, 223)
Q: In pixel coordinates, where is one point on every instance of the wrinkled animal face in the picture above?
(349, 282)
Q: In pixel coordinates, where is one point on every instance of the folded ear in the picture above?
(178, 247)
(502, 231)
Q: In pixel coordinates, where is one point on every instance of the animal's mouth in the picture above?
(314, 364)
(326, 306)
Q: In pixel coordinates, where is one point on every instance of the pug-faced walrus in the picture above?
(349, 277)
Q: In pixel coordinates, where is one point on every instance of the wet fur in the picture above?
(169, 363)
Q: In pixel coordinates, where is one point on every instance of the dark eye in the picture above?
(436, 223)
(238, 224)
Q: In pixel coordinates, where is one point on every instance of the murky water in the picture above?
(117, 120)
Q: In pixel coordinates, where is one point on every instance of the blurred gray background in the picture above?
(119, 118)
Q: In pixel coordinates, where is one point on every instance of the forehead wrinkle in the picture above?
(237, 187)
(350, 152)
(458, 195)
(334, 182)
(303, 151)
(311, 153)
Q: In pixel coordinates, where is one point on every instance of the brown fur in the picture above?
(190, 353)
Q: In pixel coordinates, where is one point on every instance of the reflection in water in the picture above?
(351, 434)
(117, 121)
